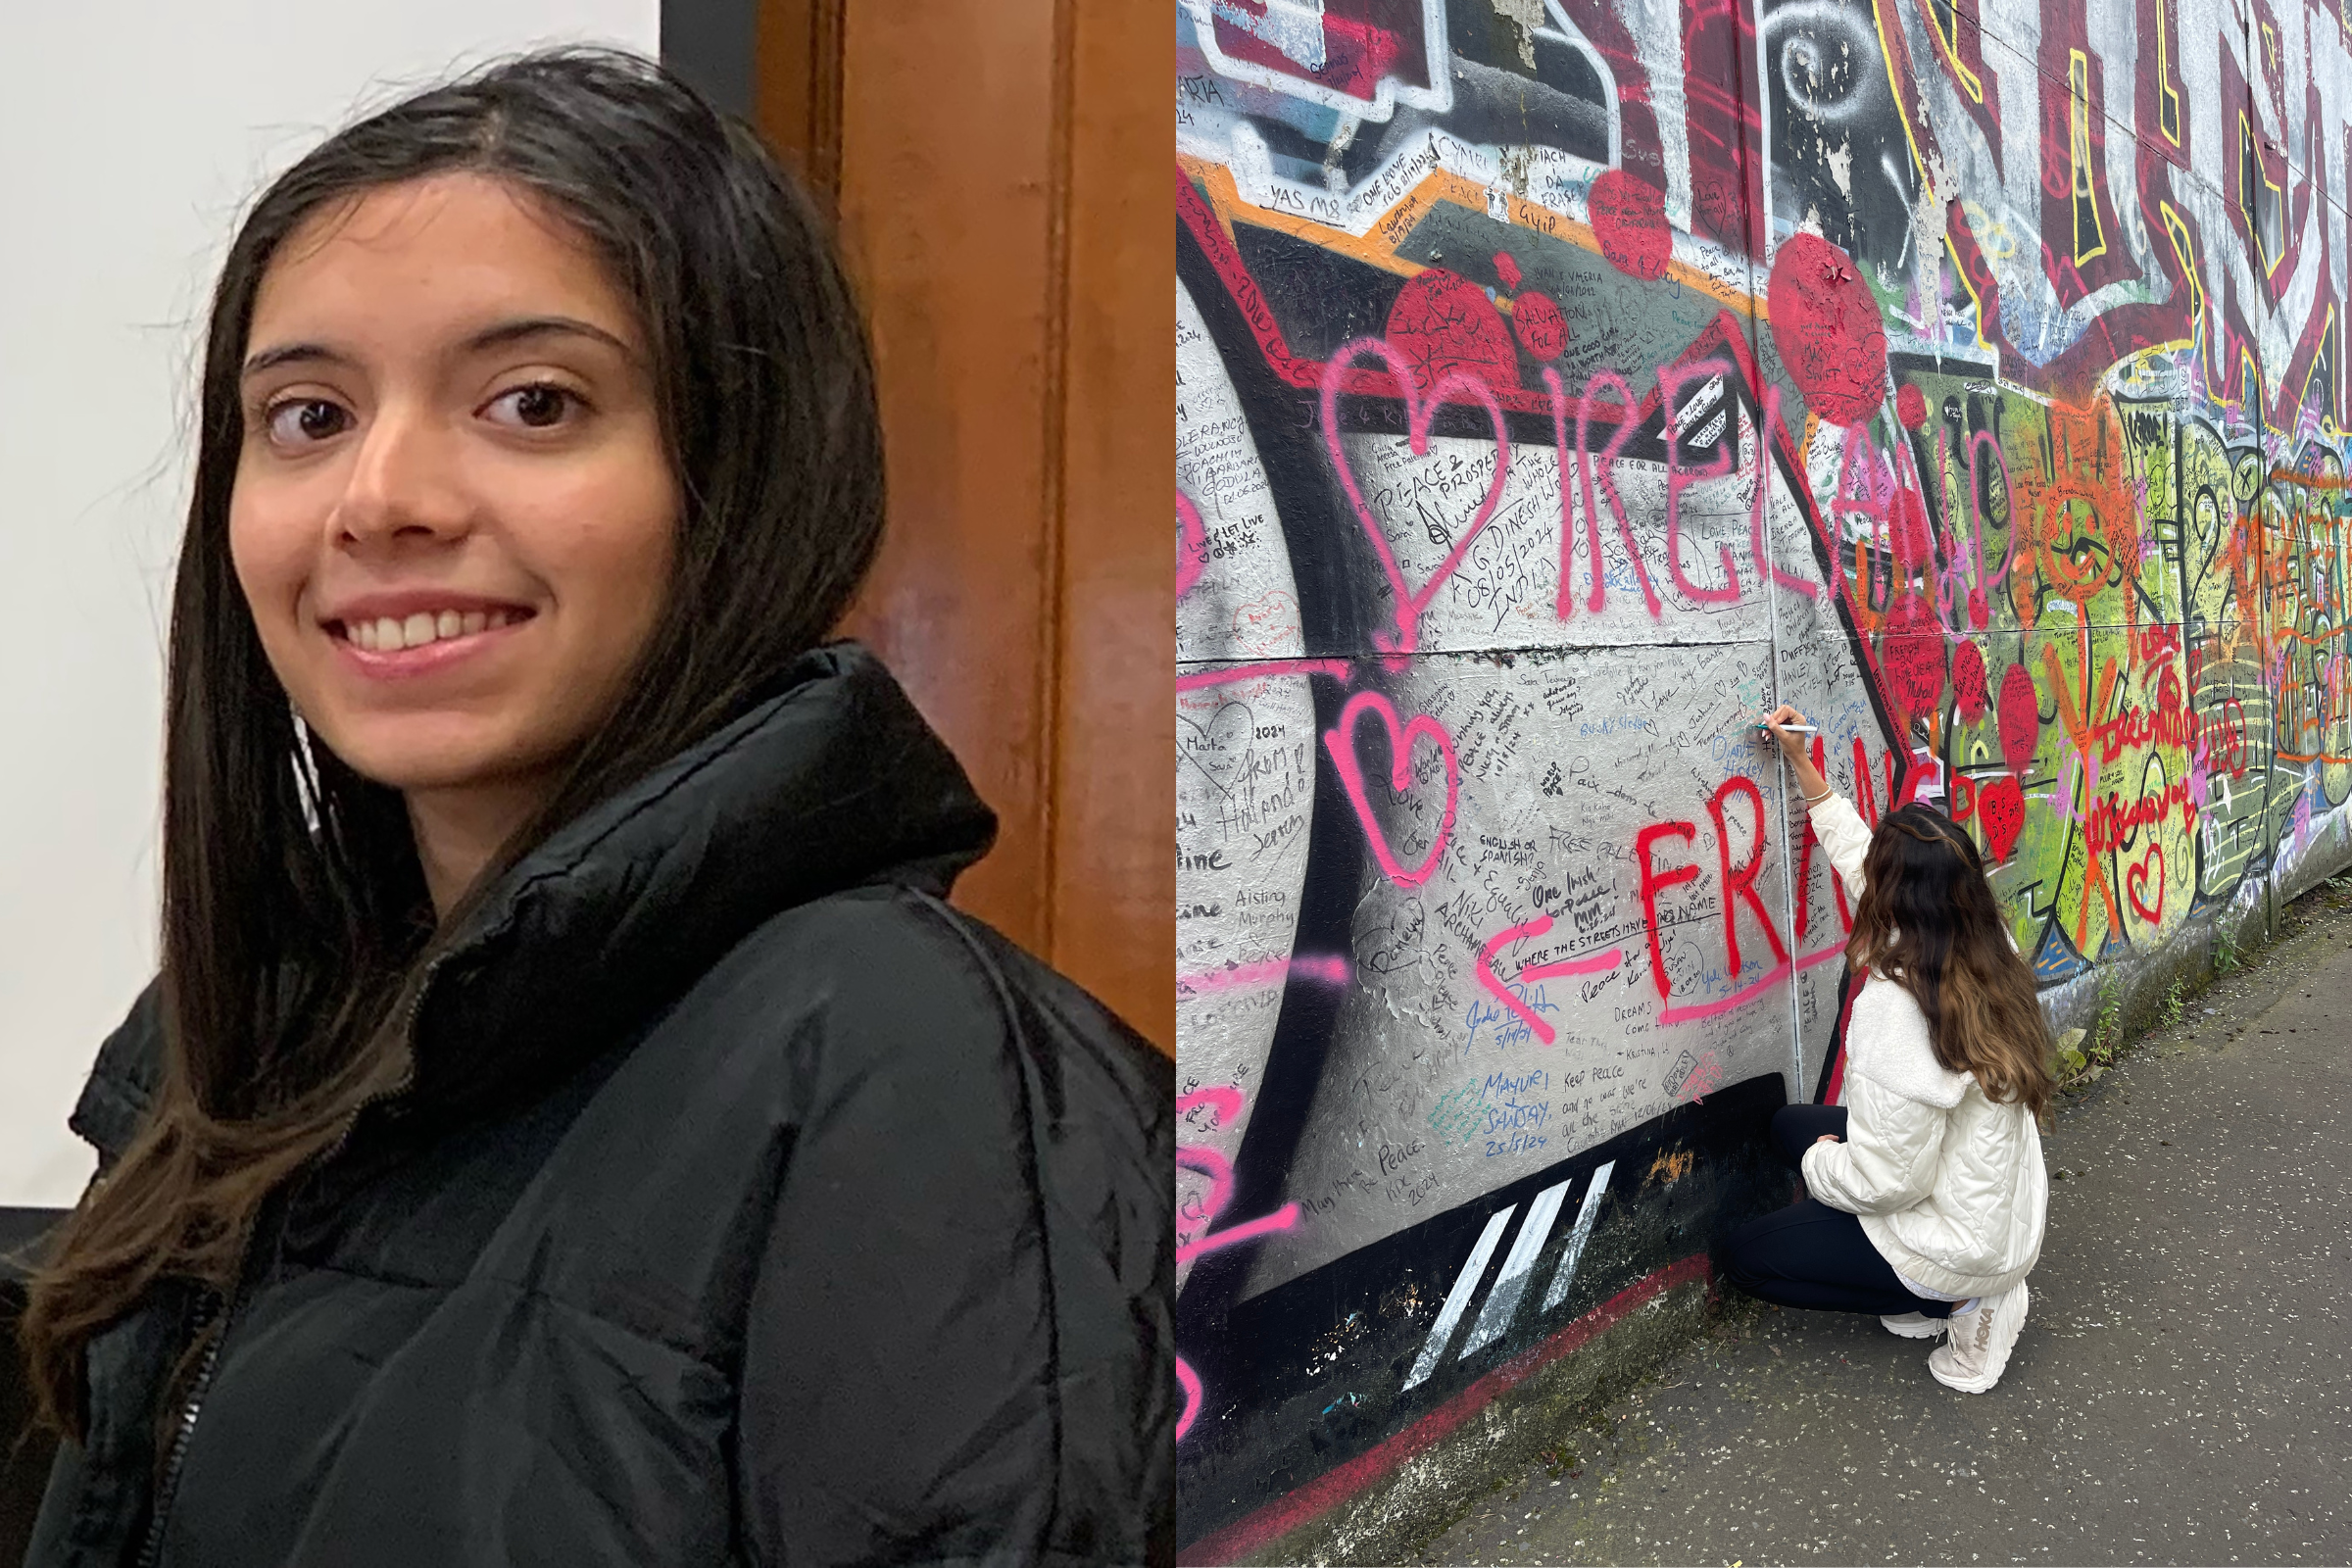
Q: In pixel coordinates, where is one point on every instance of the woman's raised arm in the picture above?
(1841, 829)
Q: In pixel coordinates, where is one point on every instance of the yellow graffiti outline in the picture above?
(1951, 47)
(2184, 249)
(1435, 186)
(1894, 88)
(2167, 108)
(2079, 182)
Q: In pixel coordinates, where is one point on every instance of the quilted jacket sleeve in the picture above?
(897, 1376)
(1845, 836)
(1889, 1157)
(947, 1358)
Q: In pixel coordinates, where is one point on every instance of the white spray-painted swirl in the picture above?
(1812, 41)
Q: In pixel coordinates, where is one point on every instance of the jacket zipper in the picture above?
(213, 1304)
(169, 1483)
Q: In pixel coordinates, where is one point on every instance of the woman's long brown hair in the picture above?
(1929, 922)
(296, 924)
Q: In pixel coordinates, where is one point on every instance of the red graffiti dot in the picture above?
(2001, 810)
(1826, 324)
(1442, 323)
(2021, 718)
(1910, 406)
(1912, 655)
(1628, 220)
(1507, 267)
(1914, 544)
(1539, 324)
(1968, 682)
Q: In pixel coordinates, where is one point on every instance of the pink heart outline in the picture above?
(1419, 412)
(1400, 745)
(1191, 545)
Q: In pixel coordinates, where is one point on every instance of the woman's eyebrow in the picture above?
(290, 354)
(503, 334)
(523, 328)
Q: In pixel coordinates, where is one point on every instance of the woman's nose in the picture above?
(406, 476)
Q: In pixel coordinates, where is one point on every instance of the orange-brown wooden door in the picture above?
(997, 169)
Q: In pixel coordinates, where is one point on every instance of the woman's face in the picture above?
(452, 516)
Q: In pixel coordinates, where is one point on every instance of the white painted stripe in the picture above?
(1565, 1275)
(1458, 1300)
(1502, 1302)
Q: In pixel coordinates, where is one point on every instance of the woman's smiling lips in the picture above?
(402, 636)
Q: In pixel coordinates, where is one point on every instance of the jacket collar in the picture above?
(831, 782)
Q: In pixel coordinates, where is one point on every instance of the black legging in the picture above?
(1810, 1254)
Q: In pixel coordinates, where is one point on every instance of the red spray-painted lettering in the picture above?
(1655, 882)
(1681, 477)
(1739, 882)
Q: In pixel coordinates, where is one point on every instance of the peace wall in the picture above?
(1562, 384)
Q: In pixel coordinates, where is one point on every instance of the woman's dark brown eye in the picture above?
(301, 419)
(537, 407)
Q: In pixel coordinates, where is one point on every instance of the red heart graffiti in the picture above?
(2135, 877)
(2001, 807)
(1340, 741)
(1419, 412)
(2021, 718)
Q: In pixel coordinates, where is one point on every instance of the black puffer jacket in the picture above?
(751, 1206)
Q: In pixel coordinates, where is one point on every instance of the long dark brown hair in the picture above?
(290, 952)
(1929, 922)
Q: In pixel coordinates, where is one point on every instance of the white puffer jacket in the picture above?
(1949, 1185)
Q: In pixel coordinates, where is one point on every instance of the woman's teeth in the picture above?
(389, 636)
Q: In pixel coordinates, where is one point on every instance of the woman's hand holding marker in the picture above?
(1790, 728)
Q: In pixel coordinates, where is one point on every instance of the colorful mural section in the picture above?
(1563, 383)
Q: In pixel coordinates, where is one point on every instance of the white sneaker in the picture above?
(1973, 1359)
(1914, 1326)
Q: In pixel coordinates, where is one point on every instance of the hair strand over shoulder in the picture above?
(1928, 922)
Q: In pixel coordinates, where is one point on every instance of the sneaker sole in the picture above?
(1932, 1329)
(1996, 1354)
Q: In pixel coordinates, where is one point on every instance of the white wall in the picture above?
(131, 133)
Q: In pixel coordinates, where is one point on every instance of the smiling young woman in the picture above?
(569, 1125)
(453, 514)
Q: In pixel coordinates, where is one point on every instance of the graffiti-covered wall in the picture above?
(1562, 384)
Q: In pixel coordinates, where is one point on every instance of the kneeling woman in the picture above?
(1927, 1188)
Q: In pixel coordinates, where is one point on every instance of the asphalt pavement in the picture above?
(2181, 1391)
